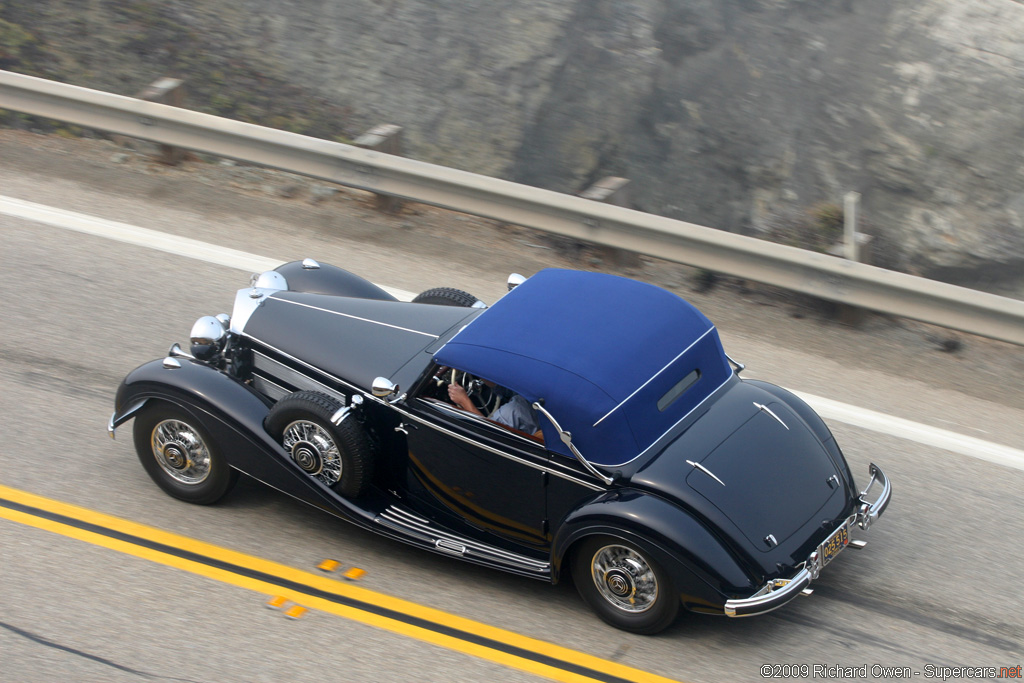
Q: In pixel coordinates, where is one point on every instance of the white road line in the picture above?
(211, 253)
(150, 239)
(915, 431)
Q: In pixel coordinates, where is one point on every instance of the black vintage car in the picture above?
(596, 429)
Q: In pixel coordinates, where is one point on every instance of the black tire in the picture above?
(339, 456)
(446, 296)
(626, 571)
(179, 455)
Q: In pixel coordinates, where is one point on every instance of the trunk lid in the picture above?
(775, 475)
(774, 472)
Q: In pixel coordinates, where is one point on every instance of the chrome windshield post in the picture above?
(566, 438)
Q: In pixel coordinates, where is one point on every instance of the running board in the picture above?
(447, 543)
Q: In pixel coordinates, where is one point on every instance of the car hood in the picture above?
(353, 339)
(753, 469)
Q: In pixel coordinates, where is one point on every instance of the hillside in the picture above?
(747, 115)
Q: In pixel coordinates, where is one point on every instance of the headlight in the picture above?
(208, 336)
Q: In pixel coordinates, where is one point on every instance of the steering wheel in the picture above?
(479, 393)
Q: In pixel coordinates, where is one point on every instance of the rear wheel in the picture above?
(447, 296)
(339, 456)
(179, 455)
(624, 585)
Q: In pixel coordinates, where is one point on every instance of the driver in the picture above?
(516, 412)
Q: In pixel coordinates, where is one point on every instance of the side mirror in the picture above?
(383, 387)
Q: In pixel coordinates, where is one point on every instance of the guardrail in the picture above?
(820, 275)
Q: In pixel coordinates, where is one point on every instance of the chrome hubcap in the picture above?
(180, 452)
(624, 578)
(314, 450)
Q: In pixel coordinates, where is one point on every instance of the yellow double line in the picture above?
(315, 591)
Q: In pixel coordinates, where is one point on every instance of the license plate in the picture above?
(839, 539)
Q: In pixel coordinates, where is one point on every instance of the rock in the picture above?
(320, 193)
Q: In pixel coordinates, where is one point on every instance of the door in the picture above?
(469, 469)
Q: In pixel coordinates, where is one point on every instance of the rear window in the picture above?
(678, 390)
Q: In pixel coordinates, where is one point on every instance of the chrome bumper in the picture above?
(778, 592)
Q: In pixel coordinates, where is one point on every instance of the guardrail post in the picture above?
(386, 138)
(612, 190)
(851, 249)
(170, 91)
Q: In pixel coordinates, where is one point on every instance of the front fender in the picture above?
(703, 570)
(233, 415)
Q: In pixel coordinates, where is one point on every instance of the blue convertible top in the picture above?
(617, 362)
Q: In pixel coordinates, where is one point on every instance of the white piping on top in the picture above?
(655, 375)
(356, 317)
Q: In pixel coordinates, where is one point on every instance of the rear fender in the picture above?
(703, 570)
(233, 415)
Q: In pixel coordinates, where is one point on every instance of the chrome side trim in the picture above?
(452, 547)
(356, 317)
(766, 409)
(453, 544)
(495, 451)
(705, 470)
(282, 372)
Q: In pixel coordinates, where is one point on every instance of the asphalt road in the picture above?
(938, 584)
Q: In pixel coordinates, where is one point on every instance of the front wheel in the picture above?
(624, 585)
(180, 456)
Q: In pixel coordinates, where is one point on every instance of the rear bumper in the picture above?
(778, 592)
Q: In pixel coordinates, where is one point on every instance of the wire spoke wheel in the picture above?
(179, 455)
(624, 584)
(181, 452)
(623, 578)
(314, 450)
(327, 443)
